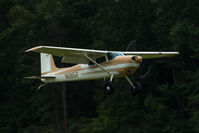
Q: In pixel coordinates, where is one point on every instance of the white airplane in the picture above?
(92, 65)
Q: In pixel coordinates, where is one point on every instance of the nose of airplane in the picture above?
(137, 59)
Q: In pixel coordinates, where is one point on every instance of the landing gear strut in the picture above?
(39, 88)
(135, 87)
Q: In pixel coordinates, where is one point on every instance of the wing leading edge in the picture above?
(75, 55)
(152, 55)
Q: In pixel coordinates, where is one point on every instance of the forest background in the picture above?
(169, 101)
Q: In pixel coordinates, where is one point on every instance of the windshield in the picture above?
(112, 55)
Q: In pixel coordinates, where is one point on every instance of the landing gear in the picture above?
(109, 87)
(39, 88)
(136, 88)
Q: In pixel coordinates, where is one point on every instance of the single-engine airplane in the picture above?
(92, 65)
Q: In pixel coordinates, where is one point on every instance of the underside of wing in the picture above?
(70, 55)
(152, 55)
(40, 77)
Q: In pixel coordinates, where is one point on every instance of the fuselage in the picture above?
(119, 67)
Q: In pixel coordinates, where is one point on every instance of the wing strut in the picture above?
(98, 65)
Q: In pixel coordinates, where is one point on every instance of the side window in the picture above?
(101, 59)
(90, 63)
(98, 60)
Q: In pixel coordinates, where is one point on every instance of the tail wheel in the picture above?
(136, 89)
(109, 87)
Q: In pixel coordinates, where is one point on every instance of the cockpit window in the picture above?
(112, 55)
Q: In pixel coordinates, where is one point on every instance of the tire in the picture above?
(109, 88)
(137, 89)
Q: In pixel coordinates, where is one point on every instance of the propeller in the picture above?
(146, 73)
(133, 42)
(132, 45)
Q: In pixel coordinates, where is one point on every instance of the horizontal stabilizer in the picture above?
(40, 77)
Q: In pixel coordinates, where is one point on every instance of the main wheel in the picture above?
(137, 88)
(109, 87)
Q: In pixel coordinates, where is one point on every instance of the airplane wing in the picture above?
(70, 55)
(152, 55)
(77, 56)
(40, 77)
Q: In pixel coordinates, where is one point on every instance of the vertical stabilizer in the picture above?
(47, 64)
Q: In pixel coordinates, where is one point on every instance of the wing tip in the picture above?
(34, 48)
(173, 54)
(176, 53)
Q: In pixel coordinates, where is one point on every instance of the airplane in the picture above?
(92, 65)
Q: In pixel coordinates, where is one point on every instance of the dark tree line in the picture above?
(170, 97)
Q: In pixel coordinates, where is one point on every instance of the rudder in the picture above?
(47, 64)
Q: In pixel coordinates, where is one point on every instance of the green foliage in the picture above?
(169, 100)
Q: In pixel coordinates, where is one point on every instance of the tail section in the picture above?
(47, 64)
